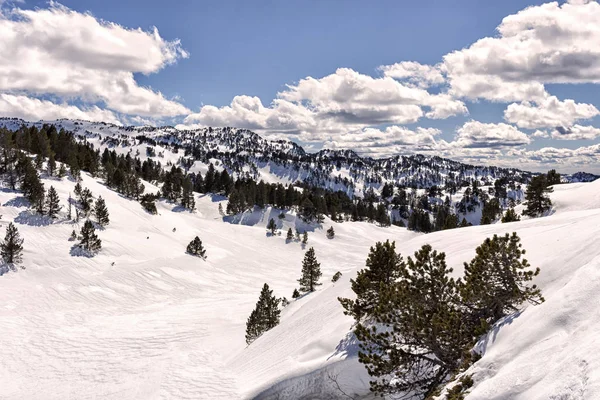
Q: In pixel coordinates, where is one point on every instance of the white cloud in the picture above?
(342, 102)
(419, 74)
(475, 134)
(384, 143)
(576, 132)
(32, 109)
(549, 113)
(549, 43)
(72, 55)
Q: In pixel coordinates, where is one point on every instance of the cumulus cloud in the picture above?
(72, 55)
(550, 43)
(341, 102)
(475, 134)
(576, 132)
(419, 74)
(387, 142)
(32, 109)
(549, 113)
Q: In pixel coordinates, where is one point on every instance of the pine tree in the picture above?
(52, 203)
(89, 240)
(419, 336)
(553, 177)
(51, 166)
(311, 272)
(86, 199)
(73, 236)
(265, 316)
(336, 277)
(290, 235)
(295, 294)
(330, 233)
(384, 267)
(62, 171)
(33, 188)
(272, 226)
(195, 248)
(304, 238)
(101, 212)
(69, 207)
(536, 198)
(147, 201)
(496, 279)
(11, 248)
(510, 216)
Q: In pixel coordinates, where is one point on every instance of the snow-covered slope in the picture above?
(546, 352)
(158, 323)
(144, 320)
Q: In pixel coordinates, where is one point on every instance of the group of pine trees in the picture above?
(417, 324)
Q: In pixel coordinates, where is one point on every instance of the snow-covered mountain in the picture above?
(247, 154)
(143, 319)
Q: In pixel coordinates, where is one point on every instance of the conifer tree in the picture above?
(69, 207)
(536, 198)
(62, 171)
(52, 203)
(510, 216)
(265, 315)
(272, 226)
(290, 235)
(496, 279)
(86, 199)
(330, 233)
(51, 166)
(33, 188)
(89, 240)
(147, 201)
(419, 336)
(295, 294)
(304, 238)
(73, 235)
(11, 248)
(101, 212)
(311, 272)
(195, 248)
(384, 267)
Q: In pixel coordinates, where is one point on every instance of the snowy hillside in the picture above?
(143, 319)
(161, 324)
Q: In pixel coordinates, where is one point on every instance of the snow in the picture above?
(160, 324)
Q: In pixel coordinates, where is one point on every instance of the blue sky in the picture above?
(494, 101)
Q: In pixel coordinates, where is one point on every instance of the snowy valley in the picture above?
(143, 319)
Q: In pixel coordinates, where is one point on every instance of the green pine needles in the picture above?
(417, 324)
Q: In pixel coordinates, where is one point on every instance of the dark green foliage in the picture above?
(195, 248)
(552, 177)
(89, 240)
(491, 210)
(52, 203)
(423, 337)
(496, 279)
(311, 272)
(419, 221)
(305, 238)
(32, 186)
(383, 267)
(510, 216)
(330, 233)
(295, 294)
(148, 202)
(459, 390)
(265, 315)
(73, 236)
(290, 235)
(11, 248)
(272, 226)
(336, 277)
(381, 215)
(187, 195)
(536, 198)
(86, 200)
(101, 212)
